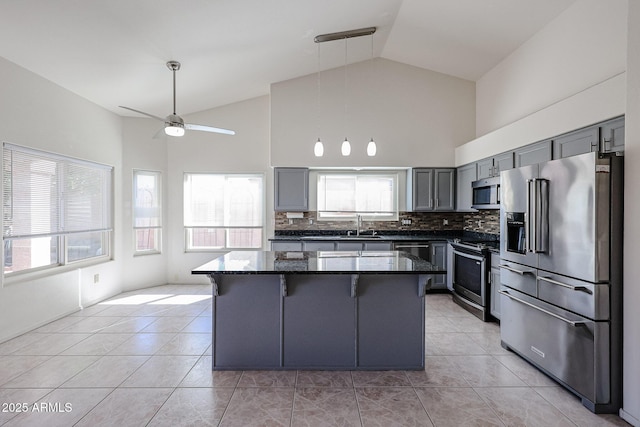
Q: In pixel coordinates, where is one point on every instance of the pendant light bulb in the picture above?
(371, 148)
(346, 147)
(318, 149)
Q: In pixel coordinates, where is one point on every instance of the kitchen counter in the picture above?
(319, 310)
(318, 262)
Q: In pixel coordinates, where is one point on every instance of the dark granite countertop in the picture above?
(320, 262)
(367, 237)
(383, 236)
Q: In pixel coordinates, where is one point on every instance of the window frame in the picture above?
(157, 228)
(62, 236)
(189, 248)
(394, 215)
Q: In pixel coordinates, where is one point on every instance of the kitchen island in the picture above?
(319, 310)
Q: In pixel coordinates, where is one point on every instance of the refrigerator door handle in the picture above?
(570, 322)
(565, 285)
(542, 216)
(528, 219)
(537, 215)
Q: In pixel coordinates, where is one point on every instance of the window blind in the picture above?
(47, 194)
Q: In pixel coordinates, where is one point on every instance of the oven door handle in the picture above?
(570, 322)
(410, 246)
(515, 270)
(466, 255)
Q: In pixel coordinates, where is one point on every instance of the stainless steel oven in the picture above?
(469, 277)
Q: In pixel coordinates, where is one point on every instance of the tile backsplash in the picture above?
(481, 221)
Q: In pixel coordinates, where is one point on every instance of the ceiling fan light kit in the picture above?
(345, 148)
(173, 123)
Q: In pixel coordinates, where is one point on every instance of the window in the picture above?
(56, 209)
(147, 212)
(346, 195)
(223, 211)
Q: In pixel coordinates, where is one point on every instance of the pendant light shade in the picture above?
(346, 147)
(371, 148)
(318, 149)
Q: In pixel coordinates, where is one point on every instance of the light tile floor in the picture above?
(144, 358)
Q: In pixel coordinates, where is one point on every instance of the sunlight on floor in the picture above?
(157, 299)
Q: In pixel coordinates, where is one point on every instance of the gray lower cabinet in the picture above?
(349, 246)
(392, 340)
(287, 245)
(494, 298)
(378, 246)
(254, 339)
(319, 322)
(450, 267)
(533, 153)
(465, 176)
(291, 192)
(439, 258)
(612, 135)
(319, 246)
(574, 143)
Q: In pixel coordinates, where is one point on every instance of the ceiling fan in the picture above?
(173, 124)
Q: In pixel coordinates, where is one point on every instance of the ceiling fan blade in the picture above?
(142, 112)
(192, 126)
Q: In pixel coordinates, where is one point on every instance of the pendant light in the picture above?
(318, 148)
(345, 148)
(346, 145)
(371, 146)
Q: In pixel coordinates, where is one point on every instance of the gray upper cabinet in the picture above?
(612, 135)
(492, 166)
(533, 153)
(291, 189)
(485, 168)
(503, 162)
(433, 189)
(574, 143)
(422, 196)
(465, 176)
(444, 194)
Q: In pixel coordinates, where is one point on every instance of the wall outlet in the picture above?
(96, 278)
(445, 222)
(406, 222)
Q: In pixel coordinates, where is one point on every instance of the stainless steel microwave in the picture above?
(486, 193)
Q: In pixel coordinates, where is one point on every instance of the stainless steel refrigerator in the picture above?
(561, 272)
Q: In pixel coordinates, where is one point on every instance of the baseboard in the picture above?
(629, 418)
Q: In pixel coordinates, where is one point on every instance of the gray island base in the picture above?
(318, 310)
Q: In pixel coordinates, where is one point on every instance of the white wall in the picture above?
(416, 116)
(39, 114)
(631, 392)
(142, 151)
(594, 104)
(584, 46)
(247, 151)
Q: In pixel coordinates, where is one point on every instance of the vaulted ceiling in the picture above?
(114, 52)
